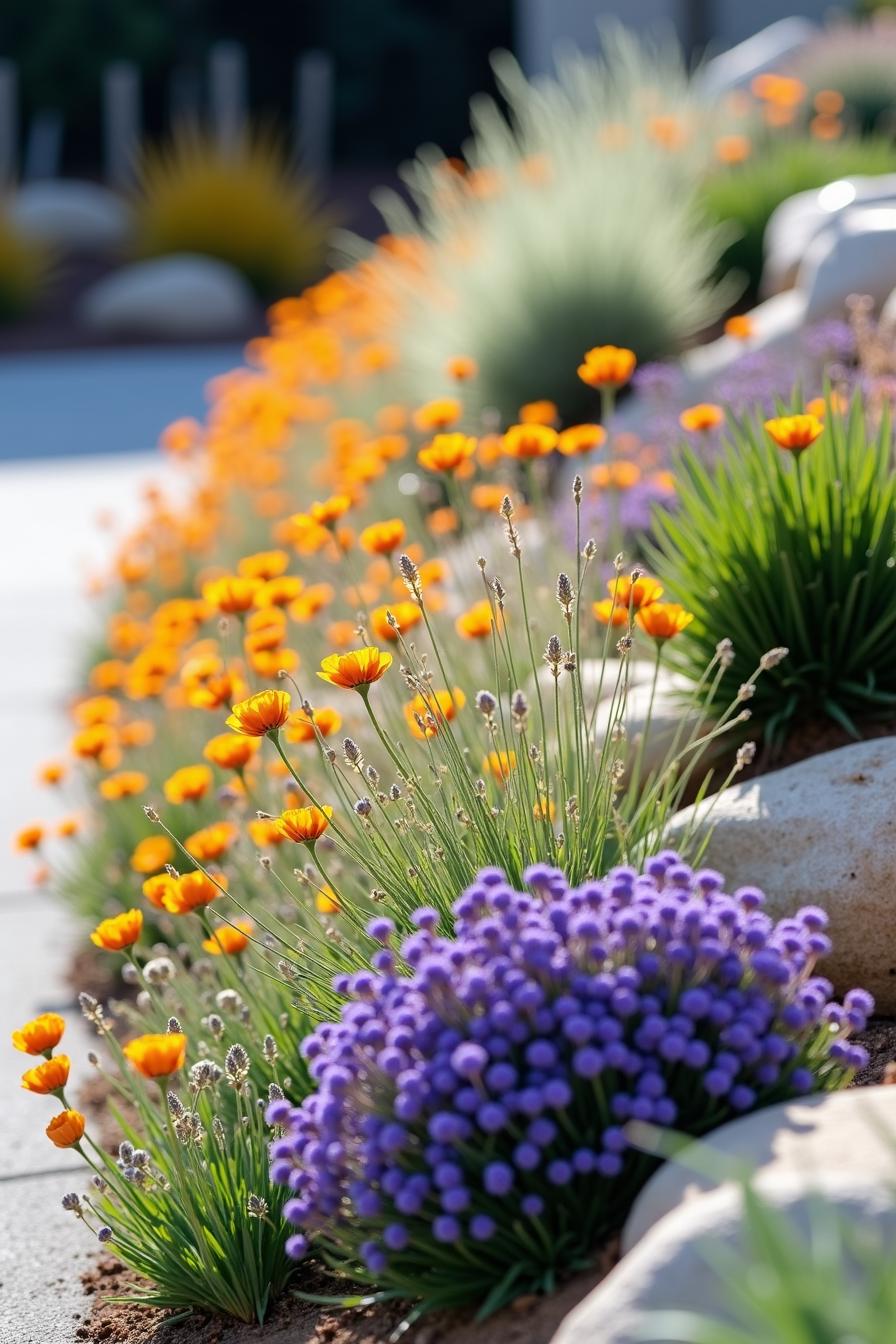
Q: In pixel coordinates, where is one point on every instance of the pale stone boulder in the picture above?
(822, 832)
(801, 218)
(71, 216)
(852, 1132)
(768, 50)
(179, 295)
(854, 255)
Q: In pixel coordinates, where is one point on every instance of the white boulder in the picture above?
(850, 1132)
(801, 218)
(855, 254)
(179, 295)
(822, 832)
(767, 50)
(71, 216)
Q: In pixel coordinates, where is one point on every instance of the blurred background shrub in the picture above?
(24, 270)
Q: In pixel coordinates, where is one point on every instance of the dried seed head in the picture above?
(746, 691)
(173, 1027)
(159, 971)
(237, 1065)
(486, 703)
(256, 1207)
(519, 710)
(725, 652)
(772, 658)
(363, 807)
(395, 793)
(570, 662)
(506, 508)
(72, 1204)
(589, 550)
(151, 814)
(577, 488)
(745, 755)
(553, 654)
(352, 753)
(215, 1025)
(204, 1073)
(175, 1107)
(275, 1092)
(624, 645)
(269, 1049)
(565, 593)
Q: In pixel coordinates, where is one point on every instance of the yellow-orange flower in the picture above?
(157, 1054)
(437, 415)
(580, 439)
(609, 612)
(91, 743)
(607, 366)
(532, 440)
(407, 614)
(261, 714)
(39, 1035)
(155, 889)
(618, 475)
(819, 407)
(740, 327)
(211, 841)
(733, 148)
(461, 368)
(663, 620)
(230, 751)
(489, 495)
(279, 592)
(382, 538)
(432, 710)
(326, 902)
(229, 939)
(125, 784)
(29, 837)
(66, 1129)
(188, 784)
(327, 511)
(300, 726)
(51, 1076)
(98, 709)
(500, 764)
(795, 433)
(539, 413)
(263, 831)
(304, 825)
(51, 773)
(191, 891)
(119, 932)
(356, 669)
(477, 621)
(702, 417)
(447, 452)
(230, 594)
(635, 593)
(263, 565)
(152, 854)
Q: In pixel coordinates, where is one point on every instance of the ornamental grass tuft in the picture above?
(467, 1139)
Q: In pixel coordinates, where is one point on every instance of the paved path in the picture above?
(102, 401)
(48, 543)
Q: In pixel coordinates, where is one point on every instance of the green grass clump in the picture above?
(771, 552)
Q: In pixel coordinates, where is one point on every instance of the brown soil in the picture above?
(879, 1039)
(812, 738)
(529, 1320)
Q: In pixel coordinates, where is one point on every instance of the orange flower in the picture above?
(618, 475)
(29, 837)
(190, 891)
(300, 726)
(230, 751)
(489, 495)
(311, 601)
(279, 592)
(114, 935)
(91, 743)
(461, 368)
(526, 441)
(609, 612)
(98, 709)
(499, 765)
(261, 714)
(607, 366)
(66, 1129)
(68, 827)
(188, 784)
(230, 594)
(152, 854)
(635, 593)
(156, 888)
(51, 773)
(818, 406)
(268, 664)
(263, 831)
(382, 538)
(442, 522)
(539, 413)
(733, 148)
(447, 452)
(40, 1035)
(51, 1076)
(476, 623)
(702, 417)
(263, 565)
(125, 784)
(780, 90)
(211, 842)
(795, 432)
(740, 327)
(407, 614)
(304, 825)
(581, 439)
(328, 511)
(433, 709)
(662, 620)
(157, 1055)
(229, 939)
(326, 902)
(437, 415)
(181, 435)
(356, 669)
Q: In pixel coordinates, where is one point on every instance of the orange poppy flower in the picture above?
(91, 743)
(539, 413)
(66, 1129)
(51, 773)
(229, 939)
(188, 784)
(304, 825)
(795, 433)
(356, 669)
(230, 751)
(29, 837)
(635, 593)
(461, 368)
(114, 935)
(328, 511)
(275, 593)
(500, 764)
(263, 565)
(607, 366)
(476, 622)
(702, 417)
(158, 1054)
(230, 594)
(40, 1035)
(581, 439)
(609, 612)
(211, 841)
(263, 831)
(528, 441)
(740, 327)
(382, 538)
(125, 784)
(155, 889)
(447, 452)
(618, 475)
(732, 149)
(191, 891)
(407, 614)
(51, 1076)
(151, 854)
(663, 620)
(437, 415)
(300, 727)
(261, 714)
(68, 827)
(314, 598)
(442, 522)
(433, 709)
(98, 709)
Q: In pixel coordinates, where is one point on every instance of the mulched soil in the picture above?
(812, 738)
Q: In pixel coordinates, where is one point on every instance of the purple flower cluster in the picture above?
(471, 1104)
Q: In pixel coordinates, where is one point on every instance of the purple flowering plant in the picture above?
(466, 1140)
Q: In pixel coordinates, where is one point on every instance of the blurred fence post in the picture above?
(314, 112)
(43, 148)
(228, 92)
(121, 121)
(9, 122)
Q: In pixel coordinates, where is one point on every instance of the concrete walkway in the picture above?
(48, 544)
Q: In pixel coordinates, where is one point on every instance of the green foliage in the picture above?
(745, 197)
(769, 551)
(24, 269)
